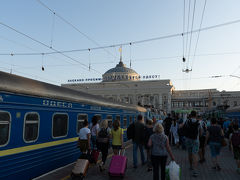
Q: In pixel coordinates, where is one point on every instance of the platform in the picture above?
(227, 164)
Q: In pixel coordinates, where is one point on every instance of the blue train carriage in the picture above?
(234, 114)
(39, 124)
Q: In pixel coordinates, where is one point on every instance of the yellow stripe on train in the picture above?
(36, 146)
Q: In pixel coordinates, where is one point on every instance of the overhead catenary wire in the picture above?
(189, 12)
(198, 35)
(31, 75)
(195, 50)
(183, 26)
(25, 46)
(74, 27)
(128, 43)
(183, 57)
(43, 44)
(133, 60)
(52, 30)
(42, 63)
(191, 32)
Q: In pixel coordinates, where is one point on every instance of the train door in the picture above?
(130, 120)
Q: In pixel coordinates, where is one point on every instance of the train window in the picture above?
(4, 127)
(31, 126)
(135, 118)
(60, 125)
(117, 117)
(109, 118)
(124, 122)
(80, 120)
(99, 117)
(130, 119)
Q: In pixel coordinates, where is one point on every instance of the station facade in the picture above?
(125, 85)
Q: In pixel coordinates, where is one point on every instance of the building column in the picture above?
(169, 102)
(160, 101)
(155, 101)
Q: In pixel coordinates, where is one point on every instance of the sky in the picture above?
(42, 26)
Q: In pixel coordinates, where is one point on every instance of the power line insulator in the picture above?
(183, 59)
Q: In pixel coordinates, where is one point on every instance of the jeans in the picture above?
(103, 147)
(215, 148)
(94, 142)
(135, 149)
(149, 162)
(156, 161)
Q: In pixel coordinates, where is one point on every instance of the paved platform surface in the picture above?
(227, 164)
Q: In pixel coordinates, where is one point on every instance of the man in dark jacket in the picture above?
(138, 140)
(167, 124)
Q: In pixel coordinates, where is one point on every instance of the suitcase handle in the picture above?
(122, 152)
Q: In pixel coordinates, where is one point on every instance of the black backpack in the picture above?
(191, 129)
(103, 137)
(130, 131)
(103, 133)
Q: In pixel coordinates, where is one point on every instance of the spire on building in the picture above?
(120, 50)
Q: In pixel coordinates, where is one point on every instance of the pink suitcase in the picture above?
(118, 165)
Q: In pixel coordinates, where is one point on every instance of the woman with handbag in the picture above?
(160, 148)
(215, 137)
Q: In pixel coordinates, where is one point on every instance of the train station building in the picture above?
(124, 84)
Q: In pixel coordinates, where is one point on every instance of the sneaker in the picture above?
(101, 167)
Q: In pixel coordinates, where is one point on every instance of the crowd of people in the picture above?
(154, 139)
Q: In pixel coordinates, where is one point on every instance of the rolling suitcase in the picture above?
(118, 165)
(80, 169)
(94, 156)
